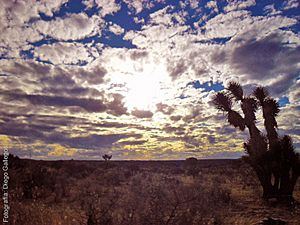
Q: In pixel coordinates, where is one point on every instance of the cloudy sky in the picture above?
(135, 78)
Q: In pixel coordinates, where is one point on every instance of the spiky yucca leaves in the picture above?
(270, 156)
(270, 108)
(270, 111)
(222, 102)
(236, 90)
(261, 93)
(249, 106)
(235, 119)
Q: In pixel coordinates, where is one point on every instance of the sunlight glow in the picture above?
(145, 90)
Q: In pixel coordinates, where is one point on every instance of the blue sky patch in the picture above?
(207, 86)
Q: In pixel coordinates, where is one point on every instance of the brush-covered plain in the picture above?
(141, 192)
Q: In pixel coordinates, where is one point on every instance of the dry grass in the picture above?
(138, 193)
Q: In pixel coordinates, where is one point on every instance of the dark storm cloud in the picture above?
(164, 108)
(88, 104)
(264, 59)
(176, 130)
(52, 79)
(94, 76)
(47, 123)
(191, 141)
(195, 114)
(176, 118)
(116, 107)
(93, 141)
(211, 139)
(219, 57)
(136, 142)
(60, 87)
(20, 130)
(260, 59)
(142, 113)
(176, 69)
(138, 54)
(48, 134)
(32, 68)
(60, 79)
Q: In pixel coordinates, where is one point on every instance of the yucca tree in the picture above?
(273, 158)
(270, 109)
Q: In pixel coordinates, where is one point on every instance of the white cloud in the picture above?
(294, 93)
(271, 10)
(139, 5)
(16, 13)
(116, 29)
(242, 25)
(71, 27)
(63, 53)
(213, 5)
(16, 32)
(238, 5)
(107, 7)
(291, 4)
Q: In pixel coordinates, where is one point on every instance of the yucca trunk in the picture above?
(279, 186)
(273, 159)
(271, 130)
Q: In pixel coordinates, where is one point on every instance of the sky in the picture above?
(135, 78)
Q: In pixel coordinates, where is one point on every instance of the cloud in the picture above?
(138, 5)
(35, 129)
(294, 93)
(290, 4)
(138, 54)
(213, 5)
(242, 25)
(88, 104)
(176, 69)
(116, 29)
(107, 7)
(58, 150)
(63, 53)
(164, 108)
(15, 13)
(52, 80)
(116, 107)
(71, 27)
(142, 113)
(238, 5)
(271, 10)
(92, 76)
(268, 59)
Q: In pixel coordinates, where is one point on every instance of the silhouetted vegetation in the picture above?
(191, 166)
(272, 157)
(107, 157)
(137, 193)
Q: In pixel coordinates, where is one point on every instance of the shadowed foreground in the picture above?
(141, 192)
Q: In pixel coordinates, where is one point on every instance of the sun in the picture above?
(143, 92)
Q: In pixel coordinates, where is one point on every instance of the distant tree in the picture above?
(273, 158)
(107, 157)
(190, 165)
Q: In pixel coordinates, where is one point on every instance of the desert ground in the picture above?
(75, 192)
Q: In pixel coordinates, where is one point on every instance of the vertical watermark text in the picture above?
(5, 186)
